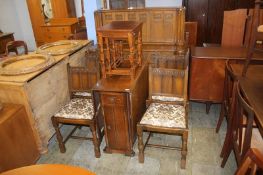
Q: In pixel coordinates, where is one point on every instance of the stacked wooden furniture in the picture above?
(18, 146)
(111, 38)
(59, 29)
(42, 92)
(163, 28)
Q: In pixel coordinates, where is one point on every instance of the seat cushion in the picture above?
(83, 94)
(77, 108)
(166, 98)
(165, 115)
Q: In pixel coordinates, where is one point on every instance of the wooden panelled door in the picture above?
(209, 15)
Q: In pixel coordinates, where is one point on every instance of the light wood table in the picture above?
(48, 169)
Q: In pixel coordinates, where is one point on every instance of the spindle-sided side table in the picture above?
(111, 38)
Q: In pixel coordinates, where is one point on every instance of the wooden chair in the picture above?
(229, 89)
(256, 34)
(81, 110)
(233, 29)
(167, 111)
(252, 162)
(13, 46)
(241, 138)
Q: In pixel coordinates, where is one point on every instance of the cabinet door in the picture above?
(116, 120)
(198, 11)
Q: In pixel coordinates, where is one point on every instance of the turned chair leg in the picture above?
(58, 134)
(184, 149)
(95, 140)
(140, 144)
(221, 117)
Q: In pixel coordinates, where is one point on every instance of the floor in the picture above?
(204, 147)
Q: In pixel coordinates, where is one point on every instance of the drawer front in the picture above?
(58, 29)
(113, 99)
(51, 37)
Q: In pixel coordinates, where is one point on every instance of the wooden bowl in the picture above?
(59, 47)
(24, 64)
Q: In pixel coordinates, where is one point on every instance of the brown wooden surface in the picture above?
(160, 25)
(252, 86)
(38, 92)
(123, 104)
(207, 71)
(18, 146)
(191, 33)
(209, 15)
(4, 39)
(59, 29)
(234, 28)
(47, 169)
(37, 20)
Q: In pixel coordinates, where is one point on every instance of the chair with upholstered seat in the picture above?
(240, 138)
(81, 110)
(14, 46)
(167, 111)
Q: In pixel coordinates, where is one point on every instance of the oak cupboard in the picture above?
(123, 104)
(17, 146)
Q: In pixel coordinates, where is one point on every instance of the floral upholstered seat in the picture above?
(83, 94)
(77, 108)
(165, 98)
(165, 115)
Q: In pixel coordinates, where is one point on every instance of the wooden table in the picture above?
(207, 71)
(4, 39)
(48, 169)
(252, 87)
(111, 38)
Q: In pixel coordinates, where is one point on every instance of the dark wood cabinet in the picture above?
(123, 102)
(17, 146)
(209, 14)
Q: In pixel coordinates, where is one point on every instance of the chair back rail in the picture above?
(252, 161)
(81, 79)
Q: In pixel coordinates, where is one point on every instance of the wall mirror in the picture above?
(61, 9)
(47, 9)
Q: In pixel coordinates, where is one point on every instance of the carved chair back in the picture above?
(252, 162)
(81, 80)
(13, 46)
(169, 84)
(190, 33)
(241, 135)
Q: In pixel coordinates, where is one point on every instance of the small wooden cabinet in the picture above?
(4, 39)
(59, 29)
(123, 104)
(17, 146)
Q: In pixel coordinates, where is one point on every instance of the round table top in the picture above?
(48, 169)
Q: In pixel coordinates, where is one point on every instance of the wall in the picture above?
(78, 8)
(14, 17)
(163, 3)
